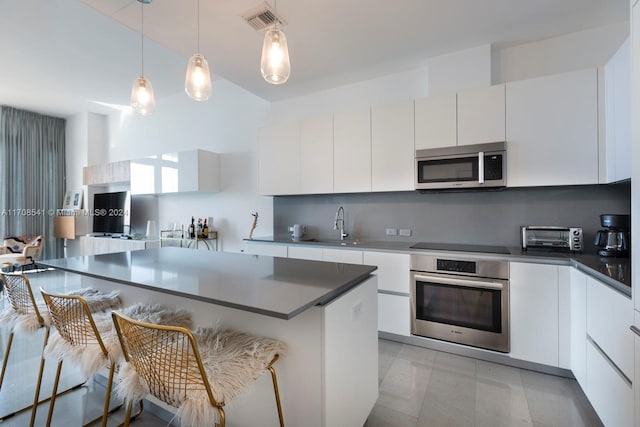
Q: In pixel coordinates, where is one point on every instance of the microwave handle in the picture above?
(481, 167)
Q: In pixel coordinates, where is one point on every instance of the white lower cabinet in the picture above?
(610, 354)
(394, 310)
(534, 312)
(90, 245)
(609, 316)
(608, 391)
(342, 255)
(305, 252)
(578, 337)
(394, 314)
(393, 270)
(267, 249)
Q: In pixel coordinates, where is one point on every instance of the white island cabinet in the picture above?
(325, 313)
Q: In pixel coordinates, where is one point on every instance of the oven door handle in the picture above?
(460, 282)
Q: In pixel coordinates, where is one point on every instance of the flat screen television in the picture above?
(111, 212)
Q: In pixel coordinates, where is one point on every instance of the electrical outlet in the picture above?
(392, 231)
(406, 232)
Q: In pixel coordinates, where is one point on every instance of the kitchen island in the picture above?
(325, 312)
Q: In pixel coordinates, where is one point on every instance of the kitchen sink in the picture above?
(331, 242)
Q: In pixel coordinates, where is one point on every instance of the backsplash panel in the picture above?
(477, 217)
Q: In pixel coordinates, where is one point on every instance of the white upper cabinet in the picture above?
(474, 116)
(108, 173)
(316, 155)
(617, 82)
(552, 130)
(392, 147)
(279, 159)
(352, 152)
(481, 115)
(435, 122)
(181, 172)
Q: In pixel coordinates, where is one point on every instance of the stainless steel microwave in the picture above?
(466, 166)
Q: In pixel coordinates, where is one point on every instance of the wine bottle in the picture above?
(205, 230)
(192, 229)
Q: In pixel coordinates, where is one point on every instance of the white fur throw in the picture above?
(232, 360)
(26, 321)
(90, 359)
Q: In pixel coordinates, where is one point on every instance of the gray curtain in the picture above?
(32, 170)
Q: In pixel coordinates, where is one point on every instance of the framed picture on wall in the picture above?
(72, 199)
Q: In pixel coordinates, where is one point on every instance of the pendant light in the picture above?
(197, 83)
(142, 98)
(275, 65)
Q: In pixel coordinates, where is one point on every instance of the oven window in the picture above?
(447, 170)
(468, 307)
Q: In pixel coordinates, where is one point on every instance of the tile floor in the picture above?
(423, 388)
(418, 388)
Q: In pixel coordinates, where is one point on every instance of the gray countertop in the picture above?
(276, 287)
(615, 272)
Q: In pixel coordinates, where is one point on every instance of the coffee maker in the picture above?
(614, 240)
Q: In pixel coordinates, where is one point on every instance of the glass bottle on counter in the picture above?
(205, 230)
(192, 228)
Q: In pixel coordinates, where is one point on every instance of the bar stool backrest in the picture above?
(71, 316)
(165, 357)
(20, 295)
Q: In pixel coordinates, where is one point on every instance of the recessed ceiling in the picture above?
(91, 48)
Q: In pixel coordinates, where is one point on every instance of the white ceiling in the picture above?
(60, 56)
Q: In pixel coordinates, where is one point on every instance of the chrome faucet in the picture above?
(339, 223)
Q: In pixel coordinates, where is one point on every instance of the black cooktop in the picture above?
(461, 247)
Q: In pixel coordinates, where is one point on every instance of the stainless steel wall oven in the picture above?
(461, 300)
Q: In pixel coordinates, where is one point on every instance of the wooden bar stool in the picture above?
(90, 340)
(197, 373)
(25, 316)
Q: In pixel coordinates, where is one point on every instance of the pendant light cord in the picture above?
(198, 37)
(275, 10)
(142, 37)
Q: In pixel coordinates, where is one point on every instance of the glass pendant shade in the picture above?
(275, 65)
(142, 99)
(197, 83)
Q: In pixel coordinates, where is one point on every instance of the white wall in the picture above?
(226, 124)
(395, 87)
(460, 70)
(570, 52)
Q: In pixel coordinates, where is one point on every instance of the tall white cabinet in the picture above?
(392, 147)
(552, 130)
(352, 152)
(481, 115)
(279, 154)
(316, 155)
(436, 122)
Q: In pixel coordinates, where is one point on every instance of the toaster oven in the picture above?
(552, 238)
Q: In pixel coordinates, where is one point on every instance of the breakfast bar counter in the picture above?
(325, 312)
(276, 287)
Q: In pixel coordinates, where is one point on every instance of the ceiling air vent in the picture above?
(262, 17)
